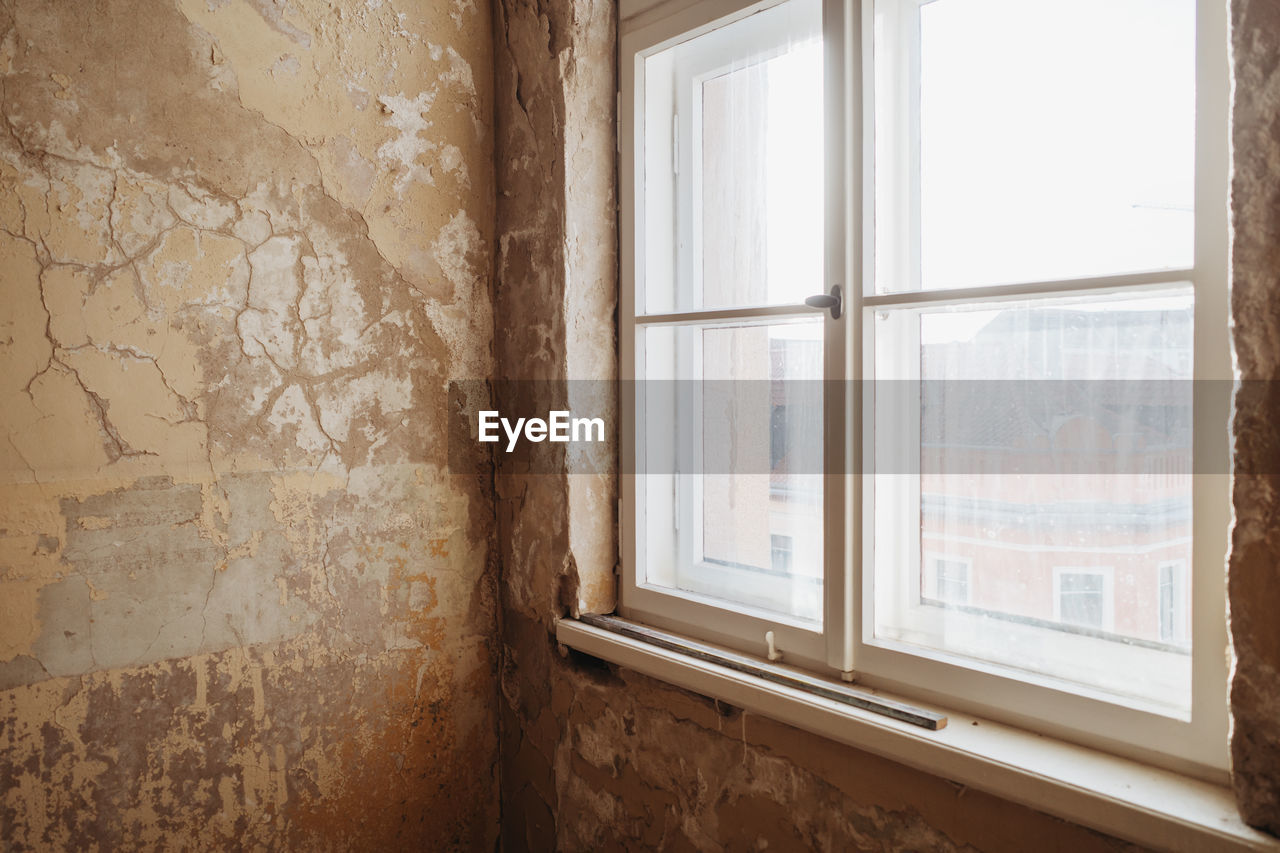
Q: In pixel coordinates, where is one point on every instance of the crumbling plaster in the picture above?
(1253, 589)
(244, 245)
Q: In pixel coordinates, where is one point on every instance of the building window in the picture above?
(780, 553)
(1172, 603)
(946, 579)
(914, 292)
(1083, 597)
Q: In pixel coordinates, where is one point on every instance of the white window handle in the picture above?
(827, 301)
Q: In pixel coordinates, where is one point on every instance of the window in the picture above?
(780, 556)
(730, 416)
(984, 464)
(1172, 602)
(946, 580)
(1082, 598)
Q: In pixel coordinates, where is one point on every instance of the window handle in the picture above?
(825, 301)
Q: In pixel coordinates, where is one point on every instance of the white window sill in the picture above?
(1124, 798)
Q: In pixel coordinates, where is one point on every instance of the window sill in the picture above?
(1142, 804)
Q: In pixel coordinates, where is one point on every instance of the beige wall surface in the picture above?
(243, 246)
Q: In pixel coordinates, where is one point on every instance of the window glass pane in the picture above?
(733, 186)
(730, 461)
(1026, 140)
(1047, 445)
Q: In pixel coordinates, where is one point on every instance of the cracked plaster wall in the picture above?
(244, 244)
(598, 757)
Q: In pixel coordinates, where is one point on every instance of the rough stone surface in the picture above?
(244, 245)
(1254, 571)
(645, 766)
(594, 757)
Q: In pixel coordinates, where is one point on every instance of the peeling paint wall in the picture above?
(244, 245)
(1254, 571)
(644, 766)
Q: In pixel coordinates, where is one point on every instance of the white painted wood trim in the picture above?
(1137, 802)
(726, 315)
(1098, 285)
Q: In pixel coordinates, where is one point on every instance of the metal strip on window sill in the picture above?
(1150, 806)
(786, 676)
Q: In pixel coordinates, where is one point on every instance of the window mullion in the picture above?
(961, 296)
(724, 315)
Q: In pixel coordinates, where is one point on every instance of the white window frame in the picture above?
(845, 646)
(696, 615)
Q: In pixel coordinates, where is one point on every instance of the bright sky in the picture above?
(1057, 138)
